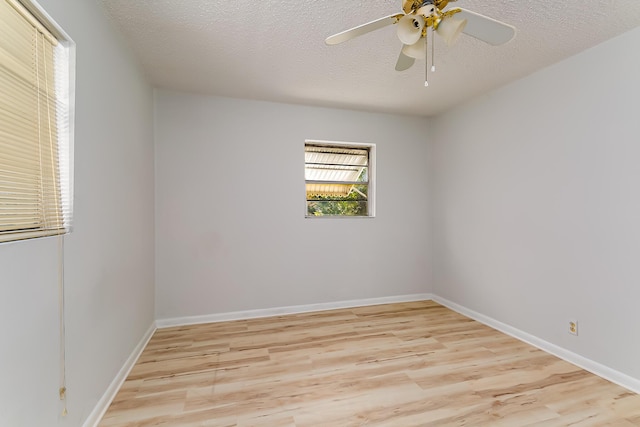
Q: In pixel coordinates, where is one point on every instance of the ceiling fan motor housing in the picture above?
(427, 7)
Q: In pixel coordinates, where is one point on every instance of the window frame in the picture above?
(371, 175)
(65, 62)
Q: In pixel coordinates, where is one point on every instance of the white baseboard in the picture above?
(103, 404)
(279, 311)
(599, 369)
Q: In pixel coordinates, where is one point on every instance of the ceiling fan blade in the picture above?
(486, 29)
(404, 62)
(363, 29)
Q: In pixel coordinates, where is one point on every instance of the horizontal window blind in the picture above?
(334, 170)
(33, 122)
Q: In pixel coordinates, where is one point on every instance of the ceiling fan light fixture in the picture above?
(450, 28)
(415, 50)
(410, 28)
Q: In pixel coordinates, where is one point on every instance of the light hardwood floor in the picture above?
(409, 364)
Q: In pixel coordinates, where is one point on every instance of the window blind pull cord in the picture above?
(63, 373)
(62, 392)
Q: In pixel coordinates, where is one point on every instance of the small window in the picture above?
(339, 179)
(35, 124)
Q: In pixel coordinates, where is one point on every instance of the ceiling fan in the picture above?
(418, 16)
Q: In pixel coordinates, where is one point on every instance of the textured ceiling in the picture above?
(274, 50)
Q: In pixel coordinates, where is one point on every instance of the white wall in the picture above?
(536, 204)
(109, 256)
(230, 228)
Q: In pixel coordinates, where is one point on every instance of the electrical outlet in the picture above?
(573, 327)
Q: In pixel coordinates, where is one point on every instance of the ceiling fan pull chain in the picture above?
(433, 50)
(426, 62)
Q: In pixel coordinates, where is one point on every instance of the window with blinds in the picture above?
(35, 170)
(339, 179)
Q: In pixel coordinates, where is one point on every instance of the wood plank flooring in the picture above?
(409, 364)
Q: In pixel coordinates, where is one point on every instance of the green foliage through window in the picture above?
(352, 204)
